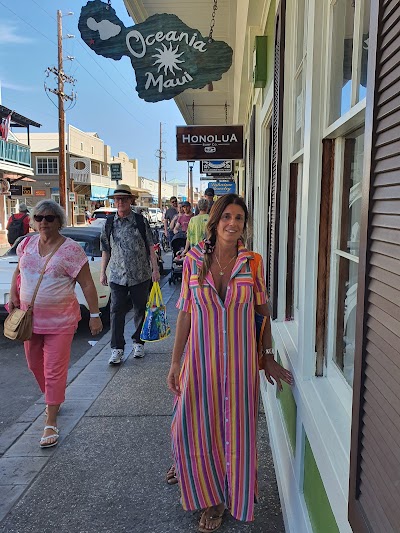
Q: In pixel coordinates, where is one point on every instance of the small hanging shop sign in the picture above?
(168, 56)
(216, 167)
(195, 143)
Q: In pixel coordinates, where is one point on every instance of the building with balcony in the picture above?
(16, 172)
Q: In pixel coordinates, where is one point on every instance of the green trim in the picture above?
(319, 508)
(289, 409)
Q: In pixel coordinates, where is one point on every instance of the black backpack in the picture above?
(139, 222)
(15, 229)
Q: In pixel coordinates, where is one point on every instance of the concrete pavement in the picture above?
(108, 472)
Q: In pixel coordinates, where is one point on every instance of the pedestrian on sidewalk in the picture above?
(56, 311)
(196, 230)
(18, 224)
(209, 194)
(170, 214)
(214, 423)
(127, 247)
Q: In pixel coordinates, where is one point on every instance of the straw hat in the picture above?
(121, 190)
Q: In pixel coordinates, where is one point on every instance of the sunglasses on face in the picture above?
(48, 218)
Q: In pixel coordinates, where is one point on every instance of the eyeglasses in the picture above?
(48, 218)
(122, 199)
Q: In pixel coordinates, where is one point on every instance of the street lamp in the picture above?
(190, 181)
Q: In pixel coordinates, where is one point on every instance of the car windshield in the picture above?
(89, 243)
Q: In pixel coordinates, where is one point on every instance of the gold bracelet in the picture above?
(267, 351)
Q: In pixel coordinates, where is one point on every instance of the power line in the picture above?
(118, 102)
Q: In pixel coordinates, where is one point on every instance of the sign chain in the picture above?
(212, 23)
(226, 112)
(193, 111)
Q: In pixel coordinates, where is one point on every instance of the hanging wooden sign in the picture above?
(168, 56)
(194, 143)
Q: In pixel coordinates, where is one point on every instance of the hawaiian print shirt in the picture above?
(130, 263)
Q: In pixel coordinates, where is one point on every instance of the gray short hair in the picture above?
(202, 204)
(54, 207)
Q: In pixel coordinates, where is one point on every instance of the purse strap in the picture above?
(43, 271)
(254, 265)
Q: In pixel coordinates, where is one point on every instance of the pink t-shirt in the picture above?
(56, 309)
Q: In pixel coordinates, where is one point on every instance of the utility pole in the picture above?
(160, 155)
(61, 79)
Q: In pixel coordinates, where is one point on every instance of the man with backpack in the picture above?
(127, 247)
(18, 224)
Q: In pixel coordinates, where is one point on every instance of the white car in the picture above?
(156, 215)
(89, 238)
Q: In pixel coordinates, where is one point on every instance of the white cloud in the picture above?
(10, 34)
(15, 86)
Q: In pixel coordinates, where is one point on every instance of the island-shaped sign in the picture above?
(168, 56)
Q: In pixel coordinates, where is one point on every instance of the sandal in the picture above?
(217, 518)
(44, 441)
(171, 476)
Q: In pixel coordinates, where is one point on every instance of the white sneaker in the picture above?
(138, 350)
(116, 356)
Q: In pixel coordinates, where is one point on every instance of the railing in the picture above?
(15, 153)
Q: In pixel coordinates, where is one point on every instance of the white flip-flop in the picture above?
(44, 440)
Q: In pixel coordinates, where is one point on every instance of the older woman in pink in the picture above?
(56, 310)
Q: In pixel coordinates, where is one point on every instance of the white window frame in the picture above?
(42, 158)
(359, 11)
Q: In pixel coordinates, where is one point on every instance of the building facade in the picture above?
(316, 85)
(87, 169)
(16, 167)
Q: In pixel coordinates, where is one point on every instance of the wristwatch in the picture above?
(95, 315)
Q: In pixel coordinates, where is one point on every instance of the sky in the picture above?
(107, 102)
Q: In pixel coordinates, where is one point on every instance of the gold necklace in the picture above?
(221, 270)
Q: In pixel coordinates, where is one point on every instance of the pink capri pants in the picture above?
(48, 359)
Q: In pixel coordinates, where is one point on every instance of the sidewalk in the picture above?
(108, 472)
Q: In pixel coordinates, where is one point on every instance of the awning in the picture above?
(98, 193)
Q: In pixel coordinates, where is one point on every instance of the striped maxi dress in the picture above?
(214, 422)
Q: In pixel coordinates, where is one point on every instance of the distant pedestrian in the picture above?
(127, 246)
(209, 196)
(196, 230)
(170, 214)
(88, 216)
(56, 309)
(18, 224)
(182, 222)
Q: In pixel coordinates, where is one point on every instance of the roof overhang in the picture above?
(17, 119)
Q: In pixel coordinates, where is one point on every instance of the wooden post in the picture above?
(61, 116)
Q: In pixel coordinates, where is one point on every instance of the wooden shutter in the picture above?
(276, 159)
(324, 252)
(250, 195)
(374, 495)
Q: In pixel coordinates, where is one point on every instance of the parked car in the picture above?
(101, 214)
(89, 238)
(156, 215)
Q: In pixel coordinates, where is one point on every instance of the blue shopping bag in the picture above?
(155, 325)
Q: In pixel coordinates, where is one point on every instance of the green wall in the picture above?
(289, 410)
(318, 505)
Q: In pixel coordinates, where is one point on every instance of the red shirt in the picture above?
(25, 222)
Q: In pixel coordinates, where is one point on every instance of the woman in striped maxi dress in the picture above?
(215, 411)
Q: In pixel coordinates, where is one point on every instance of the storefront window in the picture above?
(349, 55)
(347, 254)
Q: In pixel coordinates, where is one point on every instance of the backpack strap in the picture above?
(140, 224)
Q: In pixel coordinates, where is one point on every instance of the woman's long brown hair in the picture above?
(215, 216)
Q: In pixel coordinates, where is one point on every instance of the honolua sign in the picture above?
(168, 56)
(209, 142)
